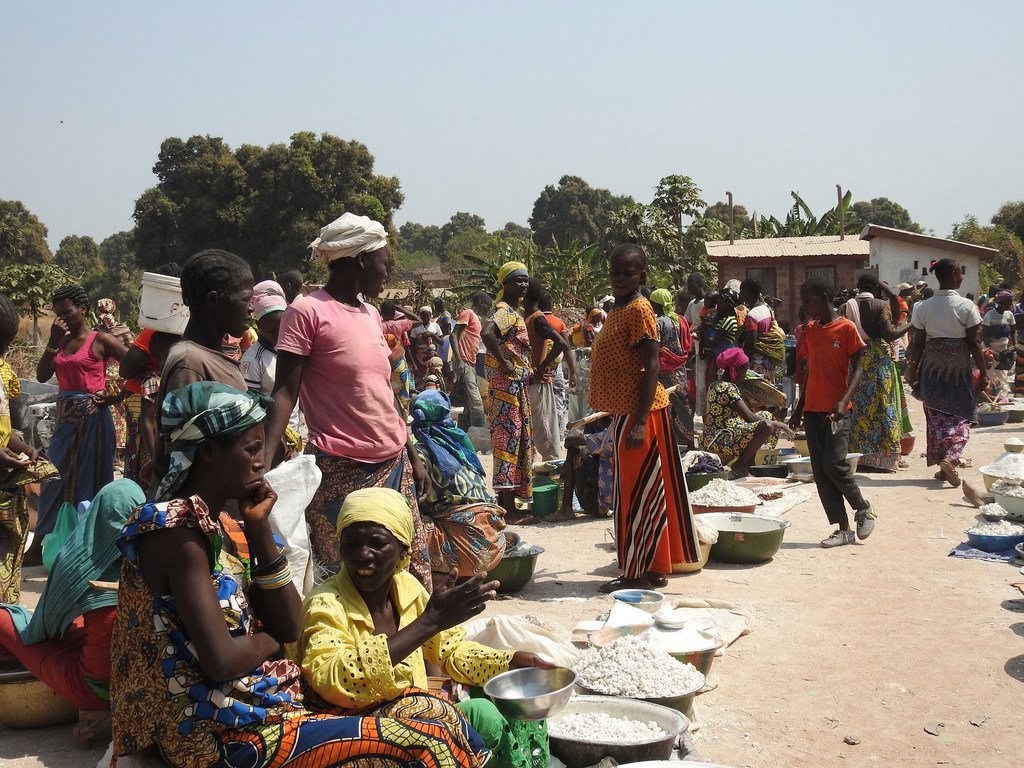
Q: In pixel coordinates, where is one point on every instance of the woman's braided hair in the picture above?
(73, 293)
(9, 318)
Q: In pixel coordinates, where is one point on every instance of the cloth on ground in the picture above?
(966, 551)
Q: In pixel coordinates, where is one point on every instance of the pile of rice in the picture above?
(1008, 488)
(600, 726)
(633, 668)
(722, 493)
(1002, 528)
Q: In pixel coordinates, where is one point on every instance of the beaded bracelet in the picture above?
(275, 580)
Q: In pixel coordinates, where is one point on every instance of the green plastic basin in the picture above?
(746, 538)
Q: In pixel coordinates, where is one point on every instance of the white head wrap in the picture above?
(347, 236)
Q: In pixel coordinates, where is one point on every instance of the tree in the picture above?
(1009, 262)
(32, 286)
(678, 197)
(1011, 216)
(420, 237)
(647, 226)
(881, 211)
(78, 255)
(512, 229)
(458, 224)
(800, 221)
(264, 203)
(120, 277)
(573, 210)
(22, 235)
(720, 212)
(575, 275)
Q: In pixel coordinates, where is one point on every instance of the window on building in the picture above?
(821, 273)
(766, 277)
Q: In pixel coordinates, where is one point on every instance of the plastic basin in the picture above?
(993, 543)
(697, 480)
(578, 753)
(705, 553)
(747, 538)
(26, 702)
(515, 569)
(993, 418)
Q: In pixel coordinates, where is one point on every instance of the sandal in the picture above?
(657, 580)
(623, 583)
(949, 472)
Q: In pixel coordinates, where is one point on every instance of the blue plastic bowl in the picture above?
(993, 543)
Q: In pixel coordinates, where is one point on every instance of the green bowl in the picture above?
(697, 480)
(515, 569)
(746, 538)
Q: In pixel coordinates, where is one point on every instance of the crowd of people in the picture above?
(206, 650)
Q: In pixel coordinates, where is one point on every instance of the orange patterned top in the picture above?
(617, 367)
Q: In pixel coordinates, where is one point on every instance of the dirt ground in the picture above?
(873, 641)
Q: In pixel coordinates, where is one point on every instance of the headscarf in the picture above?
(1003, 296)
(435, 430)
(348, 236)
(267, 297)
(89, 553)
(729, 360)
(509, 269)
(382, 506)
(728, 297)
(426, 309)
(195, 413)
(663, 297)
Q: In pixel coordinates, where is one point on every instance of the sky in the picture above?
(476, 106)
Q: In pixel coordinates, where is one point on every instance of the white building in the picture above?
(904, 257)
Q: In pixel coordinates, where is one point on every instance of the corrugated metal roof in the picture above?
(788, 247)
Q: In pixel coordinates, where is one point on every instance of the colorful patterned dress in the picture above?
(725, 433)
(510, 414)
(161, 696)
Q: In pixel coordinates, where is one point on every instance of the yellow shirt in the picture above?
(10, 387)
(350, 666)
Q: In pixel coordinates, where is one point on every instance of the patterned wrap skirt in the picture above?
(654, 527)
(949, 396)
(877, 418)
(511, 433)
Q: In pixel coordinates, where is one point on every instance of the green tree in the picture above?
(678, 197)
(1009, 262)
(32, 286)
(881, 211)
(573, 210)
(800, 221)
(511, 229)
(79, 255)
(1011, 216)
(120, 277)
(574, 275)
(648, 226)
(420, 237)
(22, 235)
(462, 222)
(720, 212)
(264, 203)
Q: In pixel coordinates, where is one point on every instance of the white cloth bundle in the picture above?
(348, 236)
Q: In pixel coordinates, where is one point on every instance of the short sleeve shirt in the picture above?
(827, 350)
(617, 365)
(469, 339)
(346, 390)
(1000, 324)
(946, 315)
(188, 362)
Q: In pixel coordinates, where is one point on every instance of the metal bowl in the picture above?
(531, 693)
(580, 753)
(645, 599)
(993, 418)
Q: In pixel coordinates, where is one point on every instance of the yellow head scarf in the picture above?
(384, 507)
(663, 297)
(509, 269)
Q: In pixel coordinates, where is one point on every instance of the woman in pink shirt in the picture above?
(331, 353)
(83, 442)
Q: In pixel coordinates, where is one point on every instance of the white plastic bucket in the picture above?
(160, 305)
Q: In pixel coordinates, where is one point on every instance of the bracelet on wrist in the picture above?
(271, 567)
(276, 580)
(52, 350)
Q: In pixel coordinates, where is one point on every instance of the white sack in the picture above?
(295, 481)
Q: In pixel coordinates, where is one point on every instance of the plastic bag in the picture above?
(67, 519)
(514, 633)
(295, 481)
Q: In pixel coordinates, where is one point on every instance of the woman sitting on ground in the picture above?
(206, 605)
(65, 641)
(731, 429)
(465, 526)
(367, 631)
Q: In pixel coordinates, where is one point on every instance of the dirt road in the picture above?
(872, 641)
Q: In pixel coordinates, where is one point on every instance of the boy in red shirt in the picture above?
(831, 347)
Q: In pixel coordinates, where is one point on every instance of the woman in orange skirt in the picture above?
(653, 522)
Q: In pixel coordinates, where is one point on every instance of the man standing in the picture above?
(467, 359)
(695, 287)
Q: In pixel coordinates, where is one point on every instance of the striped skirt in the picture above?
(654, 527)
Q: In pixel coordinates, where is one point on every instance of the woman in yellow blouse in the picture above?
(368, 629)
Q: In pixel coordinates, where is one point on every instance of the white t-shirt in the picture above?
(1005, 321)
(692, 317)
(433, 328)
(946, 315)
(259, 369)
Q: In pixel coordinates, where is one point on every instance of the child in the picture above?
(832, 348)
